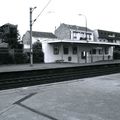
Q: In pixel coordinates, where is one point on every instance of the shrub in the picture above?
(38, 55)
(20, 58)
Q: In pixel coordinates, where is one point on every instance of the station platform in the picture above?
(27, 67)
(96, 98)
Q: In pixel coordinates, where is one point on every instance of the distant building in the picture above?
(73, 32)
(43, 38)
(109, 37)
(69, 44)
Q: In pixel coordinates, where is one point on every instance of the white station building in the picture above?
(74, 44)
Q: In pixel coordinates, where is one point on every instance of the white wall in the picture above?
(49, 55)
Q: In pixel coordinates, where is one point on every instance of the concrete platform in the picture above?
(26, 67)
(96, 98)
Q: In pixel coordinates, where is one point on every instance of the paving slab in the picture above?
(96, 98)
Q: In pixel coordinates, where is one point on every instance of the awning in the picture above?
(83, 42)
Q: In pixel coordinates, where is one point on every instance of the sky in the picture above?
(100, 14)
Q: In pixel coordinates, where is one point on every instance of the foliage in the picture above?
(12, 38)
(20, 58)
(116, 53)
(9, 58)
(38, 55)
(5, 57)
(15, 54)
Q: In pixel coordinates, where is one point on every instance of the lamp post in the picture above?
(85, 34)
(85, 24)
(31, 49)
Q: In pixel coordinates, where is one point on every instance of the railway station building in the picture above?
(75, 44)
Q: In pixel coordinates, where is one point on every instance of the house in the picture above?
(75, 44)
(73, 32)
(43, 38)
(110, 40)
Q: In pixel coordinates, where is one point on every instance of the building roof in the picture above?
(75, 27)
(43, 34)
(83, 42)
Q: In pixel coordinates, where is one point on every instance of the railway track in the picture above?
(35, 77)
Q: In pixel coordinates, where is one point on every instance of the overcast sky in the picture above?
(101, 14)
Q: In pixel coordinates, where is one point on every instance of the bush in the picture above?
(17, 57)
(6, 58)
(20, 58)
(116, 55)
(38, 55)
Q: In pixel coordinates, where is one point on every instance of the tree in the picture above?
(10, 35)
(12, 39)
(38, 55)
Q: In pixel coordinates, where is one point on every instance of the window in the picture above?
(93, 51)
(89, 36)
(100, 51)
(83, 54)
(82, 33)
(90, 52)
(74, 50)
(65, 50)
(56, 50)
(74, 35)
(69, 58)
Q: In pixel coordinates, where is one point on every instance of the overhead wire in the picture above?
(42, 11)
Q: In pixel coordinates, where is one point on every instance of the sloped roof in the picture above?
(75, 27)
(43, 34)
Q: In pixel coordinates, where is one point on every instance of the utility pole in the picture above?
(85, 34)
(31, 50)
(31, 47)
(31, 23)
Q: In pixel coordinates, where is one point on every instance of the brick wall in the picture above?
(62, 32)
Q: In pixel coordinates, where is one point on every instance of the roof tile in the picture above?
(75, 27)
(43, 34)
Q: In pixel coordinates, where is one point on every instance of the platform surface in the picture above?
(96, 98)
(27, 67)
